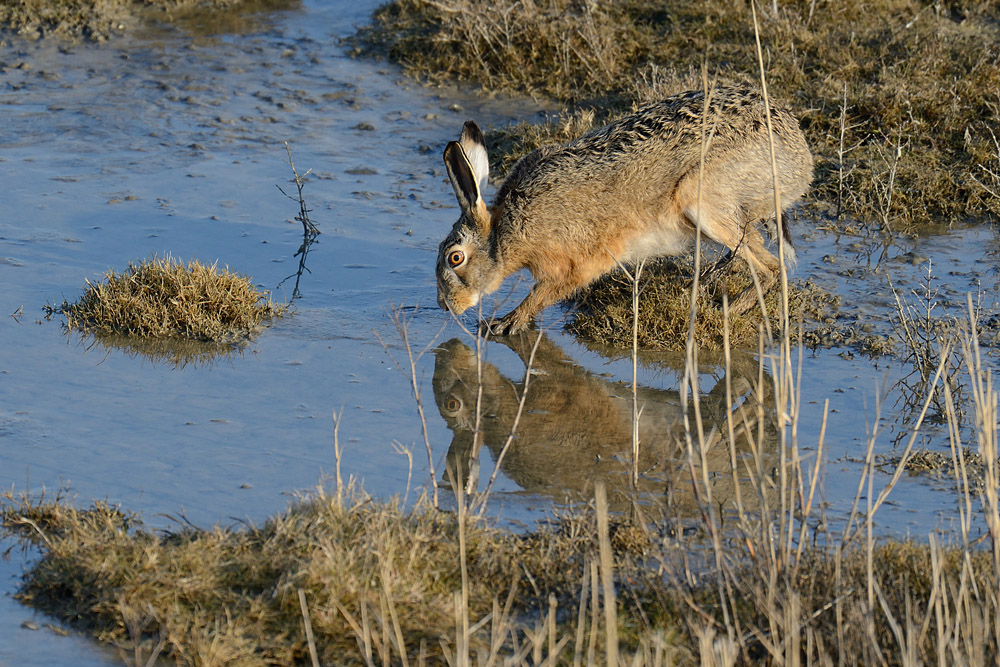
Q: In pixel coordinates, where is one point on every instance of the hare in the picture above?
(632, 190)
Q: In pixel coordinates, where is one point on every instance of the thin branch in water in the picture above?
(309, 229)
(636, 410)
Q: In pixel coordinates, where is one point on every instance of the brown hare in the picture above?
(622, 193)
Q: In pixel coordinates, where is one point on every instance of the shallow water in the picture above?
(167, 143)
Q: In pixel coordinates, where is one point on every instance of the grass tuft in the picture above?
(603, 311)
(161, 297)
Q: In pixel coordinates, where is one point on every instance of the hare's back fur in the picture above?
(632, 189)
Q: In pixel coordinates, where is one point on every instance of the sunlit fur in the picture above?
(625, 192)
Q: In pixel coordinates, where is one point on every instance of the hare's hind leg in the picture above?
(724, 226)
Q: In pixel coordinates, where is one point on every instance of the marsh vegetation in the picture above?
(900, 107)
(740, 563)
(604, 311)
(724, 554)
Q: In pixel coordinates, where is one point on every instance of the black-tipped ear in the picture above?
(462, 176)
(472, 133)
(474, 145)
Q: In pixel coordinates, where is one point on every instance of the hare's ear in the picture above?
(468, 168)
(474, 145)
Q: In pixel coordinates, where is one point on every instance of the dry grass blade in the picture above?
(607, 579)
(308, 626)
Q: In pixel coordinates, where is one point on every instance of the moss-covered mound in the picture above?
(603, 311)
(161, 297)
(897, 97)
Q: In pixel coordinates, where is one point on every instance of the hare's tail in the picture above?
(788, 248)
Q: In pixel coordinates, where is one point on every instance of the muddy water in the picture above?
(173, 143)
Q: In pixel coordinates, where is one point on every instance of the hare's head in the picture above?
(466, 268)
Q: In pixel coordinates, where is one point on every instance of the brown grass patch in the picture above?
(100, 20)
(900, 107)
(603, 311)
(162, 297)
(381, 582)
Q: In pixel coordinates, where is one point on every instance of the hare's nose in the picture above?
(442, 303)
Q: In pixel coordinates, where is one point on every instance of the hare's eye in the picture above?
(456, 257)
(453, 404)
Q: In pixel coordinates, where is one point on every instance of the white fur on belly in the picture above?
(657, 243)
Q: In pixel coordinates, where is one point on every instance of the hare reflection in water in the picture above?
(576, 427)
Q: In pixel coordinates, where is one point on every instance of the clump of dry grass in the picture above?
(162, 297)
(378, 579)
(900, 108)
(558, 48)
(603, 311)
(386, 584)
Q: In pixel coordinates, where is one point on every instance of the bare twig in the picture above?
(309, 229)
(481, 500)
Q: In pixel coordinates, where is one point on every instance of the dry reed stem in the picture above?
(402, 325)
(636, 411)
(607, 578)
(308, 626)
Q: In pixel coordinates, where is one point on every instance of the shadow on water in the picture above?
(575, 427)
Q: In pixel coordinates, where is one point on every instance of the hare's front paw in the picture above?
(504, 326)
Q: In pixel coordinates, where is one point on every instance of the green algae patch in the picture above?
(165, 298)
(603, 311)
